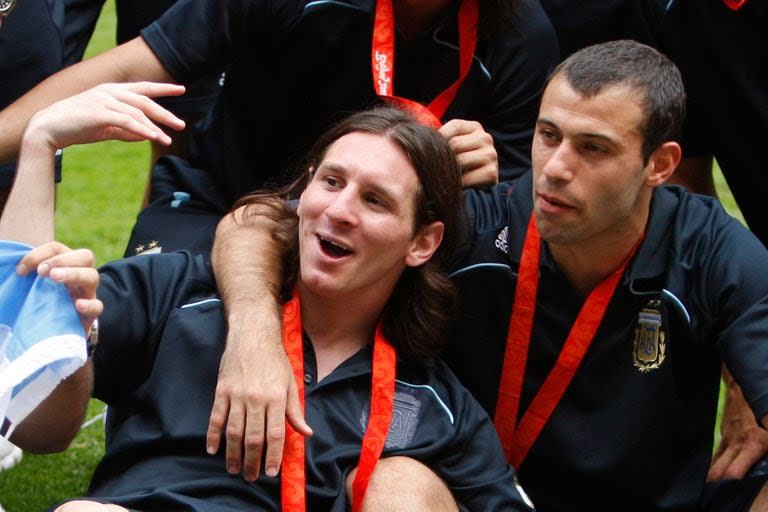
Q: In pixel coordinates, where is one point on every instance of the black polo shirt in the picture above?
(622, 438)
(299, 66)
(30, 51)
(162, 335)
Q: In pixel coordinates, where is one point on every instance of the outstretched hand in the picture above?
(123, 112)
(474, 150)
(72, 268)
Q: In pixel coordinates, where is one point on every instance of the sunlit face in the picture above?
(356, 219)
(587, 164)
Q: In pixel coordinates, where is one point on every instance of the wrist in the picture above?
(36, 137)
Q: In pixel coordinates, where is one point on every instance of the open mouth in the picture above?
(333, 249)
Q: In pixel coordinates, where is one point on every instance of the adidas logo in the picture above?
(501, 240)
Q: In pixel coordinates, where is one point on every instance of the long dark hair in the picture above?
(417, 315)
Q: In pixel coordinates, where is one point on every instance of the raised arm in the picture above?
(256, 390)
(129, 62)
(111, 111)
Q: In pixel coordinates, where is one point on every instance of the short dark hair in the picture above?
(640, 67)
(417, 316)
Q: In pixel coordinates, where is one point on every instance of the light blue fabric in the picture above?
(41, 338)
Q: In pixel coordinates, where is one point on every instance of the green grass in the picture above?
(97, 203)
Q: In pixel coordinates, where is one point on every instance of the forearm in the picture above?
(132, 61)
(247, 262)
(28, 215)
(55, 422)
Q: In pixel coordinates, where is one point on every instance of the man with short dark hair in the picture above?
(597, 305)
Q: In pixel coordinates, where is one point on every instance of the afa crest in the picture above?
(405, 419)
(650, 345)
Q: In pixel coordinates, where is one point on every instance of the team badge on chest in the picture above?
(650, 344)
(405, 418)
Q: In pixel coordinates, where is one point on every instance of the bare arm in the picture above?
(56, 421)
(129, 62)
(256, 390)
(110, 111)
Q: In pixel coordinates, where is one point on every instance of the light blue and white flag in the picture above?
(41, 338)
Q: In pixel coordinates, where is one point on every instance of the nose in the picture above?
(561, 163)
(343, 208)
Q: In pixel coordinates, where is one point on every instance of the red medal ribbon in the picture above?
(735, 5)
(293, 483)
(517, 439)
(383, 61)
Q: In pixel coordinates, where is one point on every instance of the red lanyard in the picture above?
(383, 61)
(735, 4)
(293, 483)
(517, 439)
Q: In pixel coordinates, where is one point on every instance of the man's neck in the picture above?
(337, 328)
(587, 264)
(413, 17)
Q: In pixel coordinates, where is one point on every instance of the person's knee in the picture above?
(89, 506)
(404, 484)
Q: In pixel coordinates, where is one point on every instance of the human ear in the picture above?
(424, 244)
(662, 163)
(311, 172)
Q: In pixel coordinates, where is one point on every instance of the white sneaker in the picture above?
(10, 455)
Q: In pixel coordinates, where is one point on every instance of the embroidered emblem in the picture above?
(405, 418)
(650, 344)
(501, 240)
(152, 247)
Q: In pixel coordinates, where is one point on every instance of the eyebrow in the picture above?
(590, 135)
(390, 197)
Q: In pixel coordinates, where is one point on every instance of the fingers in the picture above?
(53, 254)
(293, 412)
(108, 111)
(474, 151)
(720, 463)
(234, 436)
(72, 268)
(736, 456)
(216, 422)
(275, 436)
(254, 441)
(482, 177)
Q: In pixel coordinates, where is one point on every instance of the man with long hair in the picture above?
(366, 304)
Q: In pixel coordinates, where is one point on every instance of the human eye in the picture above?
(376, 201)
(331, 181)
(591, 147)
(548, 135)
